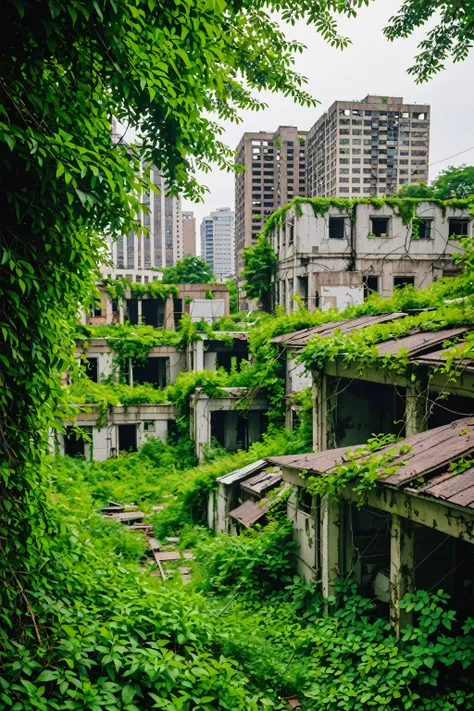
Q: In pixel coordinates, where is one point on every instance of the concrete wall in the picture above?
(202, 408)
(305, 534)
(105, 442)
(310, 251)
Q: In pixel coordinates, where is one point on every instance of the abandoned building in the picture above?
(350, 403)
(239, 497)
(291, 345)
(335, 259)
(223, 350)
(201, 301)
(162, 366)
(413, 530)
(236, 419)
(124, 429)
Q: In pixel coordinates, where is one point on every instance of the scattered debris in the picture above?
(126, 516)
(172, 540)
(158, 507)
(185, 574)
(293, 702)
(187, 555)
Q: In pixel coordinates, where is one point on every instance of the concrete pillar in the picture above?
(130, 372)
(200, 424)
(210, 360)
(402, 561)
(198, 355)
(169, 314)
(416, 407)
(139, 309)
(121, 314)
(330, 525)
(319, 412)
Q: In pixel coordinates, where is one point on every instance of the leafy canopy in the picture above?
(450, 37)
(260, 261)
(452, 183)
(189, 270)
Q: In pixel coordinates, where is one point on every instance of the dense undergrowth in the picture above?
(245, 633)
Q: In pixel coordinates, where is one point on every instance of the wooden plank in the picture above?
(464, 498)
(126, 516)
(168, 555)
(187, 555)
(450, 484)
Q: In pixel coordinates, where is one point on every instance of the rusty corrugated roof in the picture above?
(262, 482)
(298, 339)
(426, 463)
(249, 512)
(319, 462)
(242, 473)
(418, 342)
(439, 357)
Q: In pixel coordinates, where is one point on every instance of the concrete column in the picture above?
(169, 314)
(416, 407)
(200, 425)
(130, 372)
(319, 412)
(330, 525)
(402, 560)
(210, 360)
(198, 355)
(121, 314)
(139, 309)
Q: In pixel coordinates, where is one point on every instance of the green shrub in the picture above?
(258, 560)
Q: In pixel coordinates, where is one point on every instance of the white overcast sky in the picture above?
(371, 65)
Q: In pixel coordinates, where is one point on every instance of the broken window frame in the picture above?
(464, 222)
(331, 223)
(373, 231)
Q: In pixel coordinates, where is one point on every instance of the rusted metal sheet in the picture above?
(314, 462)
(301, 338)
(419, 342)
(261, 482)
(437, 358)
(249, 512)
(244, 472)
(432, 450)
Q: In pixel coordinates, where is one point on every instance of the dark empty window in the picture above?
(425, 229)
(401, 281)
(92, 369)
(97, 310)
(74, 442)
(291, 232)
(336, 227)
(458, 227)
(371, 285)
(152, 370)
(305, 500)
(379, 226)
(127, 438)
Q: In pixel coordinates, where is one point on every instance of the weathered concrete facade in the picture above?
(402, 535)
(122, 429)
(236, 420)
(201, 301)
(332, 260)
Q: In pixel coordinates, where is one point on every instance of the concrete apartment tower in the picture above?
(217, 241)
(275, 171)
(368, 148)
(162, 246)
(189, 233)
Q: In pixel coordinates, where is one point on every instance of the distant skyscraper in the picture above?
(189, 233)
(162, 246)
(217, 241)
(368, 148)
(275, 171)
